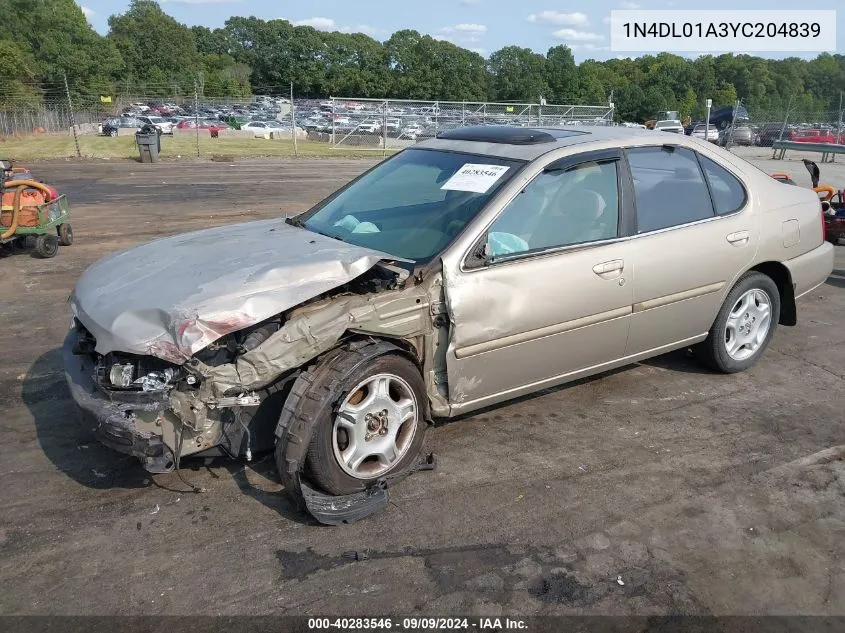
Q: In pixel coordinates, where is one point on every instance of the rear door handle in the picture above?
(609, 269)
(740, 238)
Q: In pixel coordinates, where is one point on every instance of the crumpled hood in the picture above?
(175, 296)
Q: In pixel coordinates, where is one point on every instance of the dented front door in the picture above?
(558, 303)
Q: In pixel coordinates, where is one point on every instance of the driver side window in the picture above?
(559, 208)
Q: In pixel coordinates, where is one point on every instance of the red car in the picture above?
(204, 124)
(816, 136)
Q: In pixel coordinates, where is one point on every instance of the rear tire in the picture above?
(46, 246)
(744, 326)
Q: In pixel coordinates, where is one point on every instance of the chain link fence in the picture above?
(389, 124)
(764, 128)
(817, 127)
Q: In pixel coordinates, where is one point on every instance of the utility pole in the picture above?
(384, 129)
(707, 121)
(72, 119)
(293, 122)
(839, 127)
(197, 116)
(785, 119)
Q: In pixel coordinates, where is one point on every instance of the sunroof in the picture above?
(506, 134)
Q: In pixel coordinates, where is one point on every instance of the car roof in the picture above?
(498, 140)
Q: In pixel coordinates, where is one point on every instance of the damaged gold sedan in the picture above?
(468, 270)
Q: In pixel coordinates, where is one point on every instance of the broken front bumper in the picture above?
(112, 414)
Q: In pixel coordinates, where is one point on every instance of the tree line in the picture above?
(148, 52)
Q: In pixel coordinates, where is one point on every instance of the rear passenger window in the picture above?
(669, 188)
(728, 192)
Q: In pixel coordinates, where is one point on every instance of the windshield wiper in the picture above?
(294, 221)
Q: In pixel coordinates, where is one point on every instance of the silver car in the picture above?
(706, 133)
(471, 269)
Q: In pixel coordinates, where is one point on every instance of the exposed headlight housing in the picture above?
(121, 375)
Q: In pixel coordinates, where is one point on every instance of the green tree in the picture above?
(518, 74)
(153, 44)
(17, 76)
(561, 74)
(55, 35)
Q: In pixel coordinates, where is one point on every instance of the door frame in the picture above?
(462, 262)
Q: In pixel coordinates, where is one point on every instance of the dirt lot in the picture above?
(705, 493)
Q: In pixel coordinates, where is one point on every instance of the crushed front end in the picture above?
(124, 398)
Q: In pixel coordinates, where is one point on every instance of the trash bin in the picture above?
(148, 140)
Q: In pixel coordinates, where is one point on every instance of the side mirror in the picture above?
(5, 164)
(815, 174)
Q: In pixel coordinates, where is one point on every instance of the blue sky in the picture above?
(481, 25)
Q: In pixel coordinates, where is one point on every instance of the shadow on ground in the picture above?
(75, 451)
(837, 279)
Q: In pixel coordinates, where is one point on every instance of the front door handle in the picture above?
(740, 238)
(609, 270)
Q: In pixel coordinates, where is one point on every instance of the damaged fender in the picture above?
(296, 428)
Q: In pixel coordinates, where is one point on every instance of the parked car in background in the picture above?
(160, 123)
(705, 133)
(822, 135)
(110, 126)
(369, 127)
(669, 125)
(204, 124)
(263, 127)
(737, 135)
(771, 132)
(412, 131)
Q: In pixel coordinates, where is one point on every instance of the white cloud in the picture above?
(88, 13)
(360, 28)
(480, 51)
(605, 20)
(589, 48)
(328, 24)
(467, 3)
(577, 36)
(559, 19)
(628, 5)
(321, 24)
(465, 28)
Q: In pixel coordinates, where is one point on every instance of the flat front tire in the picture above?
(744, 326)
(369, 420)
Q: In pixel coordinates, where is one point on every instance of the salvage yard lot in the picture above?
(705, 493)
(52, 146)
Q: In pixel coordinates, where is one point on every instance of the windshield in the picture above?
(414, 204)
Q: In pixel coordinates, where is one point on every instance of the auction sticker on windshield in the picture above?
(475, 178)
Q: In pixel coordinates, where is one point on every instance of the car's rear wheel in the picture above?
(369, 420)
(745, 325)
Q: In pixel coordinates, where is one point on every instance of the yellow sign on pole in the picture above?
(105, 99)
(509, 109)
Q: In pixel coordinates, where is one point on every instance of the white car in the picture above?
(669, 125)
(369, 127)
(264, 127)
(701, 131)
(412, 131)
(166, 126)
